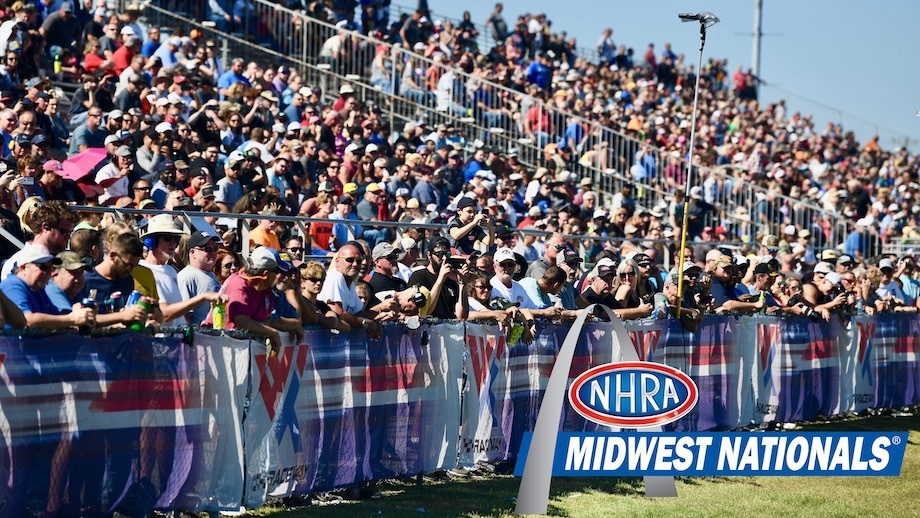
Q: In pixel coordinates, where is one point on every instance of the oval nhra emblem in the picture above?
(633, 394)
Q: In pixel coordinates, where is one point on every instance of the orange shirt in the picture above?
(261, 237)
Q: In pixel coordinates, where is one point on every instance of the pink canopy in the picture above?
(83, 163)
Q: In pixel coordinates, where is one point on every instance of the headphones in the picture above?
(151, 242)
(419, 299)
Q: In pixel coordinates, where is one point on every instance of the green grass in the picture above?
(603, 497)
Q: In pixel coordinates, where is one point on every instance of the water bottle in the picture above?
(860, 306)
(763, 300)
(58, 67)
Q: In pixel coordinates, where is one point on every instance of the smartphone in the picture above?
(456, 262)
(27, 180)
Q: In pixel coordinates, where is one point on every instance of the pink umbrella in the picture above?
(83, 163)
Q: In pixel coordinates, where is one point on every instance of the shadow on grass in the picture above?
(495, 495)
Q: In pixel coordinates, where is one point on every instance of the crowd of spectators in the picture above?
(162, 123)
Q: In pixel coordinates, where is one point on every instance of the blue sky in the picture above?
(843, 60)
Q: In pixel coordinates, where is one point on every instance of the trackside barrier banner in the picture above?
(133, 423)
(127, 423)
(335, 410)
(504, 386)
(714, 357)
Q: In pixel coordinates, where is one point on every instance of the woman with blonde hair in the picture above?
(28, 207)
(317, 312)
(626, 291)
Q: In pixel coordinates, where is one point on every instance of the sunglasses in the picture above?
(508, 264)
(481, 286)
(208, 249)
(170, 239)
(227, 266)
(315, 279)
(296, 250)
(627, 274)
(441, 253)
(45, 268)
(350, 260)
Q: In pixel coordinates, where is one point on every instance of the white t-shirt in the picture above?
(337, 290)
(167, 280)
(515, 293)
(117, 189)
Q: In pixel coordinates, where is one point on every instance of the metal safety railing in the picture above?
(412, 86)
(485, 37)
(194, 220)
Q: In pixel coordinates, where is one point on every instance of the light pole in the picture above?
(706, 20)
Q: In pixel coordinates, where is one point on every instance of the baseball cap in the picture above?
(326, 187)
(605, 270)
(201, 238)
(768, 268)
(350, 188)
(263, 258)
(438, 242)
(770, 241)
(568, 256)
(71, 261)
(465, 202)
(503, 254)
(829, 255)
(36, 255)
(886, 263)
(345, 199)
(53, 165)
(385, 250)
(823, 267)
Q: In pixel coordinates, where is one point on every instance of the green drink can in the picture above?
(218, 315)
(142, 325)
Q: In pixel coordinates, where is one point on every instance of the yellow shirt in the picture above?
(144, 282)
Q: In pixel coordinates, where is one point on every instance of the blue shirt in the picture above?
(27, 299)
(229, 78)
(105, 288)
(60, 299)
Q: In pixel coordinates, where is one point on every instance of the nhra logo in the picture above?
(633, 394)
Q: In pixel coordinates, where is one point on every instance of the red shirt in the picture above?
(245, 300)
(121, 59)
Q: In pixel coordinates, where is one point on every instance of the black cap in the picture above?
(438, 242)
(768, 268)
(200, 238)
(345, 199)
(465, 202)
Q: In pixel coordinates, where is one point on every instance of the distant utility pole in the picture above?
(755, 53)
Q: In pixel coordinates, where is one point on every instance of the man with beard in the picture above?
(160, 240)
(51, 226)
(386, 260)
(443, 282)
